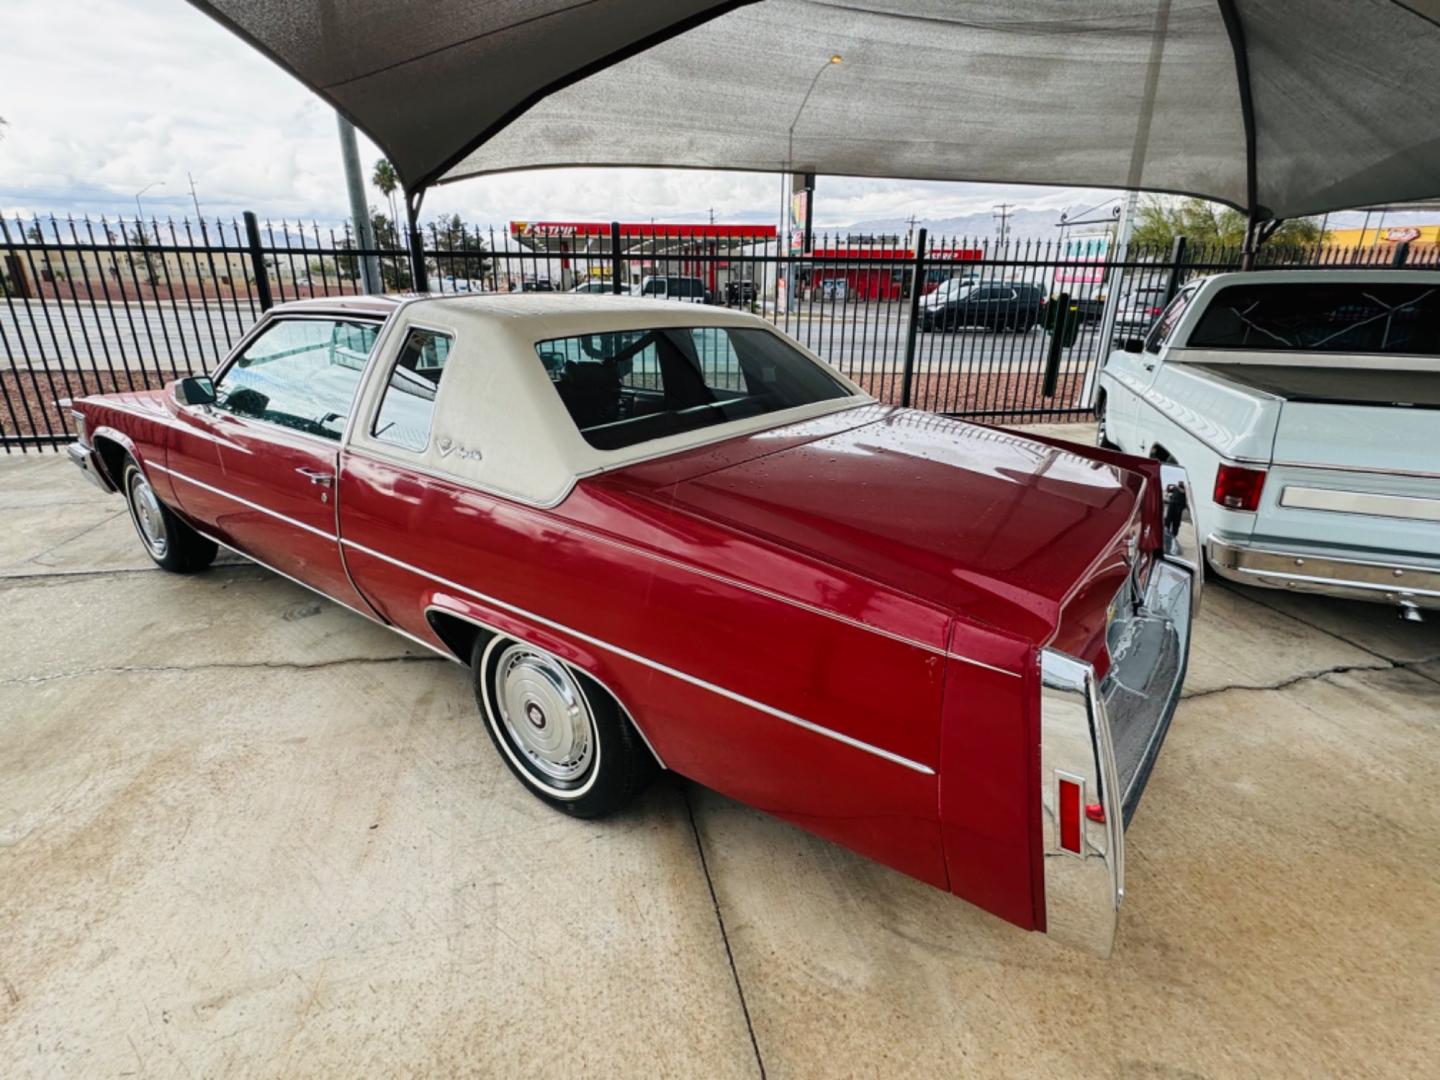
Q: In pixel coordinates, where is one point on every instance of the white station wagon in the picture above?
(1306, 405)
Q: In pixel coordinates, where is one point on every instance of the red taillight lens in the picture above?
(1238, 488)
(1153, 311)
(1070, 795)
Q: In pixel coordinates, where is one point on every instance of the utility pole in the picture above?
(1002, 211)
(195, 199)
(359, 210)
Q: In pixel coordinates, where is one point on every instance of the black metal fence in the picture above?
(100, 306)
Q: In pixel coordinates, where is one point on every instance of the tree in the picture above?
(387, 180)
(462, 252)
(1210, 225)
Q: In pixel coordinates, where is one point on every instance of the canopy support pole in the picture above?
(420, 280)
(1255, 214)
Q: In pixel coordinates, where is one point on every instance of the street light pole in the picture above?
(787, 193)
(140, 213)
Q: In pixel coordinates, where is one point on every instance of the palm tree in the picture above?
(388, 181)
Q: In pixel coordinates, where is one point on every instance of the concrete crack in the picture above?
(724, 936)
(278, 665)
(1338, 669)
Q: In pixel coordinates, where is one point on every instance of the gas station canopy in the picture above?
(1278, 107)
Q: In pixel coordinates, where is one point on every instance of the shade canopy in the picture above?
(1283, 107)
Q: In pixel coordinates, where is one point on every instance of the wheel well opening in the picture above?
(112, 456)
(459, 636)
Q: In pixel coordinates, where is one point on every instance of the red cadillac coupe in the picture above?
(668, 537)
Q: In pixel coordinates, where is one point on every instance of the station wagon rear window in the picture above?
(630, 387)
(1321, 316)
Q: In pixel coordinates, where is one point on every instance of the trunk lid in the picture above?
(999, 528)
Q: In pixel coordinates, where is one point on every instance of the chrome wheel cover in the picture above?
(544, 716)
(145, 512)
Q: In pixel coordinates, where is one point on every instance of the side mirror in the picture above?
(1133, 345)
(195, 390)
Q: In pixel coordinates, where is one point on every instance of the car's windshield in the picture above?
(630, 387)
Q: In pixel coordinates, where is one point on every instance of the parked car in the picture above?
(536, 285)
(996, 305)
(1137, 309)
(1305, 403)
(596, 288)
(689, 290)
(662, 537)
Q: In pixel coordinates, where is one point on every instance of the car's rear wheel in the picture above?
(561, 734)
(172, 544)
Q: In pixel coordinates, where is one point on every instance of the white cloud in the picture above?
(104, 98)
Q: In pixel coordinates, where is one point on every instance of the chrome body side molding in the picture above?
(654, 665)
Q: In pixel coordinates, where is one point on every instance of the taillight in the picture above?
(1238, 488)
(1070, 794)
(1153, 311)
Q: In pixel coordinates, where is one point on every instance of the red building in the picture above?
(703, 251)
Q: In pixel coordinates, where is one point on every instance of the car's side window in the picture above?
(300, 374)
(408, 405)
(1165, 324)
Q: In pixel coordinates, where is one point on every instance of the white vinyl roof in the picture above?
(499, 425)
(1342, 106)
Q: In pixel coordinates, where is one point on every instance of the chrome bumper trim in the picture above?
(1082, 719)
(1329, 575)
(85, 460)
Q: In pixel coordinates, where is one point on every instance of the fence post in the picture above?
(1177, 258)
(1401, 254)
(257, 262)
(615, 257)
(1059, 331)
(917, 282)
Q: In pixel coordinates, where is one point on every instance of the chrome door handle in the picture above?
(316, 476)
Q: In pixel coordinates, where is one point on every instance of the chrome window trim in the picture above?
(1368, 503)
(374, 417)
(646, 661)
(274, 316)
(432, 608)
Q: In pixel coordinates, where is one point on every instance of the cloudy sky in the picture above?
(105, 97)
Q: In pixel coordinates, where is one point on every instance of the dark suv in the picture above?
(999, 305)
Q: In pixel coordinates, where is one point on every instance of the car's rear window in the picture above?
(1322, 316)
(630, 387)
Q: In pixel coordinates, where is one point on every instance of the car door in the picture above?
(257, 468)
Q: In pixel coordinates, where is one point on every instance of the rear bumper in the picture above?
(1331, 574)
(1104, 735)
(87, 462)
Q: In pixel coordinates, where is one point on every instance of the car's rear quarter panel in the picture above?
(617, 612)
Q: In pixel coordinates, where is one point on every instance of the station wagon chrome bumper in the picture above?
(1403, 584)
(1099, 738)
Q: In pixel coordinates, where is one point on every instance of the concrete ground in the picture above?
(244, 831)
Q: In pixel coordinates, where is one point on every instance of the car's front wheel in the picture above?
(169, 541)
(561, 734)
